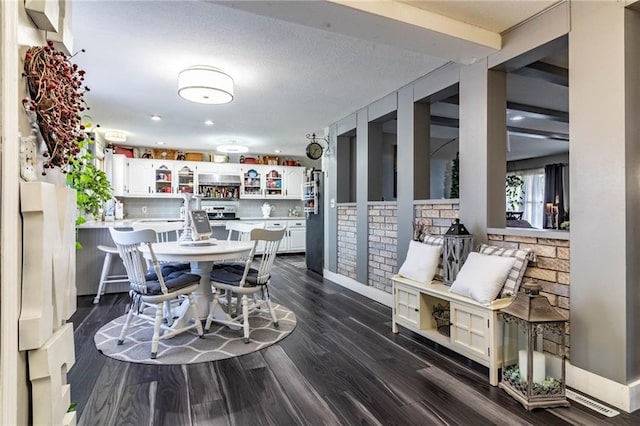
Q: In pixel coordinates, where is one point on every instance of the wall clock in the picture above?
(314, 150)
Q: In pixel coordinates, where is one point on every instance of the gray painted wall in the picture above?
(605, 182)
(604, 275)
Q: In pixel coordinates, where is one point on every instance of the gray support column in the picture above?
(362, 192)
(482, 148)
(375, 162)
(605, 189)
(405, 170)
(330, 199)
(421, 151)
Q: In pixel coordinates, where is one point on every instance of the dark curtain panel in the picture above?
(553, 192)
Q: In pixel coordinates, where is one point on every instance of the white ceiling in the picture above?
(292, 77)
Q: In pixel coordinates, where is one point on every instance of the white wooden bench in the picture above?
(475, 330)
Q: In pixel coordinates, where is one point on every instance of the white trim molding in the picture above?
(624, 397)
(365, 290)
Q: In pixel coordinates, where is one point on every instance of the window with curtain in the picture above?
(533, 188)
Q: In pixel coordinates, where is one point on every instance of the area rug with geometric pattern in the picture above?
(187, 348)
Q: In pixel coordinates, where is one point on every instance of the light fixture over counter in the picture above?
(206, 85)
(232, 149)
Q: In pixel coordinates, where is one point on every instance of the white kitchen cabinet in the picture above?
(294, 240)
(273, 182)
(164, 177)
(296, 236)
(252, 181)
(293, 180)
(184, 181)
(141, 177)
(117, 174)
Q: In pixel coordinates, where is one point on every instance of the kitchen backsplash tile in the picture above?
(141, 208)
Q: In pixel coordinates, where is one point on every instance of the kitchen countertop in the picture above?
(274, 218)
(127, 223)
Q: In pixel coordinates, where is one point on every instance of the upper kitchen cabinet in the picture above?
(155, 177)
(185, 177)
(163, 177)
(141, 177)
(293, 180)
(252, 181)
(272, 182)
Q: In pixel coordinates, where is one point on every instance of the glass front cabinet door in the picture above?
(274, 183)
(186, 179)
(251, 183)
(164, 179)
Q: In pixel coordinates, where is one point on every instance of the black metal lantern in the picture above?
(458, 243)
(533, 350)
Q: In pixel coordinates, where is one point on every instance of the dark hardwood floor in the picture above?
(341, 365)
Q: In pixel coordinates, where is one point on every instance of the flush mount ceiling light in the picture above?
(156, 118)
(232, 149)
(208, 122)
(205, 85)
(115, 136)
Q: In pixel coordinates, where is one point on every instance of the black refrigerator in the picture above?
(315, 221)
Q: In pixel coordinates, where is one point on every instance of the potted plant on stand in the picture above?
(515, 196)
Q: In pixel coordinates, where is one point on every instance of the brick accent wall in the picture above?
(551, 270)
(347, 246)
(383, 243)
(435, 217)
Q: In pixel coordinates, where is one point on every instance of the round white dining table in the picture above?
(201, 257)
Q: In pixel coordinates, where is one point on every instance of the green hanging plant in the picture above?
(92, 186)
(455, 179)
(515, 193)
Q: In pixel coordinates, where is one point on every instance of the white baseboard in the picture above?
(623, 397)
(365, 290)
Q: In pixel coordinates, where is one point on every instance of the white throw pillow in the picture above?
(482, 277)
(421, 262)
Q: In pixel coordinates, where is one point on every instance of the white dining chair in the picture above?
(241, 231)
(165, 230)
(152, 290)
(243, 280)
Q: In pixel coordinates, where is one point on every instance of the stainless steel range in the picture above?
(220, 213)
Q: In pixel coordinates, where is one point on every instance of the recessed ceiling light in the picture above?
(277, 151)
(160, 143)
(156, 117)
(517, 118)
(208, 123)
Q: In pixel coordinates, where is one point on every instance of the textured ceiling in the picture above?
(290, 79)
(497, 15)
